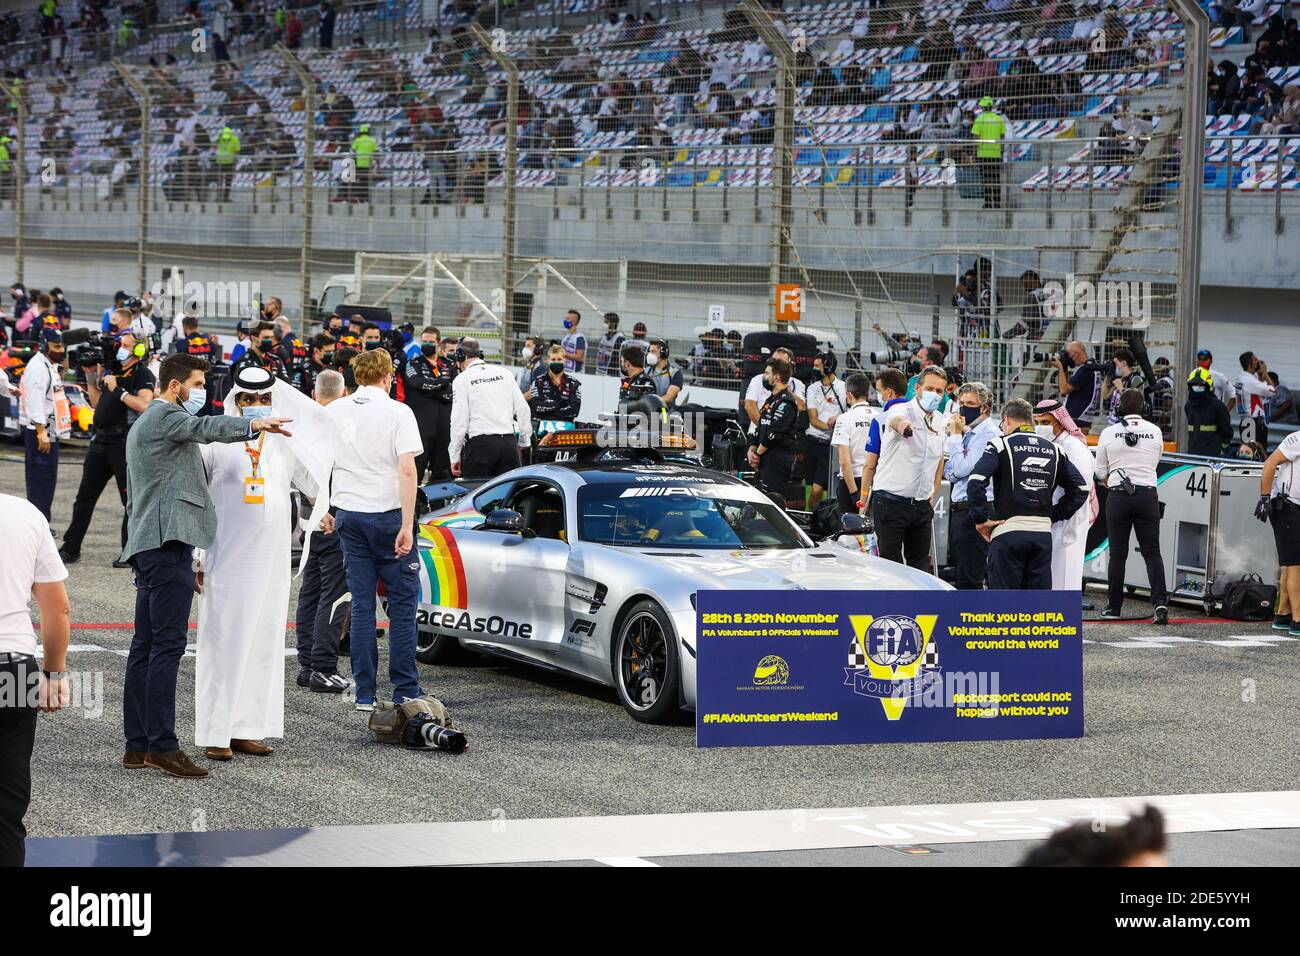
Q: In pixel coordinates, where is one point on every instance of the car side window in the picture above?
(491, 498)
(541, 505)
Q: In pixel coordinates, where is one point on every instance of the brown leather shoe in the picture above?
(254, 747)
(219, 753)
(177, 763)
(134, 760)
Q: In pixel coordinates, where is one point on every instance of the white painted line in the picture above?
(686, 834)
(625, 861)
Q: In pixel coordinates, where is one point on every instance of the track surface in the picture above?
(1213, 712)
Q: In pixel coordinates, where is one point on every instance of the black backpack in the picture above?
(1248, 599)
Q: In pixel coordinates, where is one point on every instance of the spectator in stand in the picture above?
(1224, 89)
(1286, 120)
(1281, 407)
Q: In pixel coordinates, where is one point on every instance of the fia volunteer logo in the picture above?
(893, 659)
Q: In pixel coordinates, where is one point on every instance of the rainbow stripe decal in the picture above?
(446, 571)
(457, 519)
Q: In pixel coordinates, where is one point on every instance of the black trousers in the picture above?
(486, 456)
(439, 461)
(776, 470)
(164, 581)
(319, 622)
(428, 440)
(41, 472)
(105, 462)
(17, 737)
(848, 500)
(902, 529)
(968, 551)
(991, 177)
(1021, 561)
(1124, 514)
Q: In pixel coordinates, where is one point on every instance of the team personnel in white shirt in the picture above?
(490, 420)
(970, 431)
(757, 393)
(1279, 502)
(31, 568)
(373, 490)
(39, 389)
(1127, 455)
(827, 399)
(900, 481)
(849, 440)
(1254, 389)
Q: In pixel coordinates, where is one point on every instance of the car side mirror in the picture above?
(506, 520)
(853, 524)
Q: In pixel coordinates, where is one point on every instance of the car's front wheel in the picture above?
(646, 670)
(438, 649)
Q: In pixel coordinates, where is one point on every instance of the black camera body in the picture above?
(422, 732)
(888, 356)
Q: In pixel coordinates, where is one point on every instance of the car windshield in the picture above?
(683, 513)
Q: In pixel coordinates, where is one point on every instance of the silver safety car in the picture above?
(592, 569)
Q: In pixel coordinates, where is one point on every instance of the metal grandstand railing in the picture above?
(718, 150)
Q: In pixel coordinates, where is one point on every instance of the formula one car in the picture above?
(591, 568)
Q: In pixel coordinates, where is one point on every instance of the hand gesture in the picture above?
(327, 524)
(986, 529)
(109, 382)
(273, 425)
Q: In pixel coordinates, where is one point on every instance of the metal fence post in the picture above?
(146, 104)
(308, 174)
(782, 144)
(19, 163)
(509, 212)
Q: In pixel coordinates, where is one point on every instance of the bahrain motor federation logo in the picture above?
(772, 670)
(892, 658)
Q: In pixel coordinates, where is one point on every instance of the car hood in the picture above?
(827, 567)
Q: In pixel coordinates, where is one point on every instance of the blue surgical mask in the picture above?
(257, 411)
(123, 355)
(198, 398)
(568, 324)
(930, 400)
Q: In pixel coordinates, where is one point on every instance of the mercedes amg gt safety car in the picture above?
(592, 569)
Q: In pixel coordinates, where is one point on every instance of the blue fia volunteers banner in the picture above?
(856, 667)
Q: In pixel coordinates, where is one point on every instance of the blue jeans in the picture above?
(164, 582)
(367, 541)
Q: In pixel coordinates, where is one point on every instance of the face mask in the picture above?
(652, 358)
(555, 367)
(970, 414)
(327, 358)
(198, 398)
(930, 400)
(527, 354)
(265, 345)
(1204, 363)
(56, 357)
(568, 324)
(257, 411)
(123, 355)
(429, 350)
(1046, 431)
(371, 346)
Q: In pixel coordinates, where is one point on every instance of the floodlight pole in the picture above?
(146, 109)
(308, 172)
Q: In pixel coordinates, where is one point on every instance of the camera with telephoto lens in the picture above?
(888, 356)
(422, 732)
(1048, 356)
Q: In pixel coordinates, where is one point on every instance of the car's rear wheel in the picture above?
(646, 670)
(438, 649)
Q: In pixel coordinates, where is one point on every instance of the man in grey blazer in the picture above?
(169, 514)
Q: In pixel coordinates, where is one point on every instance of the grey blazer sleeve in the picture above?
(185, 427)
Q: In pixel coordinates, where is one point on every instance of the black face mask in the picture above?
(371, 346)
(429, 350)
(555, 367)
(970, 414)
(327, 358)
(265, 345)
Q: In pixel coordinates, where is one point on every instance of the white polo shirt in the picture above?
(370, 432)
(36, 393)
(906, 466)
(851, 430)
(758, 393)
(1287, 481)
(828, 401)
(1138, 461)
(30, 558)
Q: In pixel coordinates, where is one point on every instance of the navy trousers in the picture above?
(368, 556)
(1021, 561)
(164, 581)
(320, 622)
(42, 472)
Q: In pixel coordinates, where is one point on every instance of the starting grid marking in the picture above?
(1144, 641)
(191, 650)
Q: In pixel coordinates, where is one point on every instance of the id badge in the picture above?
(254, 491)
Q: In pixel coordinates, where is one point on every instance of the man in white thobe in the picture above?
(243, 578)
(1069, 537)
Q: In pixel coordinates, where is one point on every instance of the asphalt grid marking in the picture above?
(637, 840)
